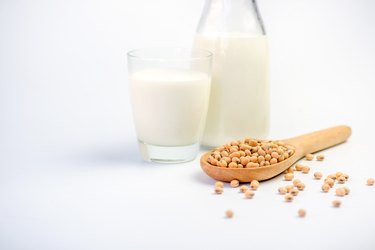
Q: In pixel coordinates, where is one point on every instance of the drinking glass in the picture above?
(169, 92)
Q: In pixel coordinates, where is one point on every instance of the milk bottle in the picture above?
(239, 98)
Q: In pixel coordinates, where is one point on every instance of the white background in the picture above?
(71, 176)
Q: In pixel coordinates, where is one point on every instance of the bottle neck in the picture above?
(231, 16)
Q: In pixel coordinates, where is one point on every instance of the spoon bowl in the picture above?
(304, 144)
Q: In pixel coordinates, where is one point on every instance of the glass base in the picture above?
(168, 154)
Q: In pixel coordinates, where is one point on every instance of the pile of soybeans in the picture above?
(250, 153)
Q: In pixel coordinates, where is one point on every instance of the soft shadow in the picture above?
(201, 177)
(120, 154)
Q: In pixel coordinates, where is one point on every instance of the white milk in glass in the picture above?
(169, 105)
(239, 100)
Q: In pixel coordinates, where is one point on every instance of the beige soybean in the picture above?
(341, 179)
(305, 169)
(291, 169)
(288, 198)
(252, 142)
(336, 203)
(219, 190)
(299, 167)
(235, 154)
(325, 187)
(370, 181)
(229, 213)
(213, 161)
(300, 186)
(227, 159)
(236, 160)
(340, 192)
(261, 159)
(296, 181)
(318, 175)
(219, 184)
(243, 189)
(254, 159)
(249, 194)
(273, 161)
(274, 155)
(320, 157)
(294, 192)
(251, 165)
(329, 181)
(234, 183)
(254, 184)
(224, 153)
(222, 164)
(232, 165)
(301, 212)
(309, 157)
(289, 176)
(244, 160)
(268, 157)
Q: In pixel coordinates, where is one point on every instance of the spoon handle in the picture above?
(319, 140)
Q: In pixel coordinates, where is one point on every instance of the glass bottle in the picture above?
(239, 102)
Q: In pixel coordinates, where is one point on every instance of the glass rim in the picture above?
(186, 55)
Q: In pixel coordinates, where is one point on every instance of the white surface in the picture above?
(71, 176)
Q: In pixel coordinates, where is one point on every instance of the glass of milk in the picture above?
(169, 90)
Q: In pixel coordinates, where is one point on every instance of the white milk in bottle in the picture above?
(239, 98)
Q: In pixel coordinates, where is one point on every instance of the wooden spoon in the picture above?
(304, 144)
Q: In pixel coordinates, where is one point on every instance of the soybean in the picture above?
(336, 203)
(243, 189)
(219, 184)
(340, 192)
(249, 194)
(234, 183)
(294, 192)
(289, 176)
(219, 190)
(325, 187)
(320, 157)
(370, 181)
(229, 213)
(305, 169)
(318, 175)
(301, 212)
(288, 198)
(309, 157)
(254, 184)
(296, 181)
(300, 186)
